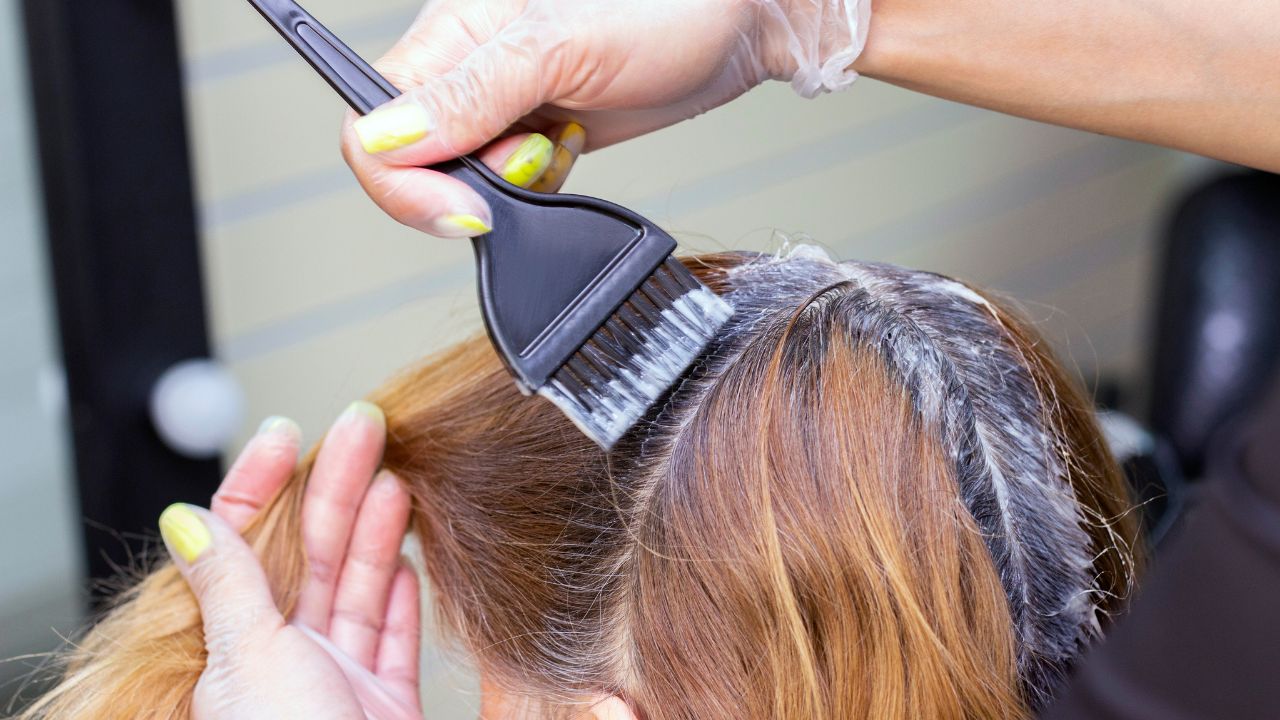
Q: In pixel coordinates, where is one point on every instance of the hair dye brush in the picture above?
(581, 297)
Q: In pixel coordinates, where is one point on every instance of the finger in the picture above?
(441, 205)
(342, 472)
(444, 35)
(264, 466)
(452, 41)
(508, 157)
(521, 159)
(223, 573)
(360, 602)
(497, 153)
(570, 139)
(463, 109)
(397, 664)
(425, 200)
(611, 708)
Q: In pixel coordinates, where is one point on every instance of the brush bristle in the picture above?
(638, 354)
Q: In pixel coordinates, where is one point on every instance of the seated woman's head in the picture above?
(875, 495)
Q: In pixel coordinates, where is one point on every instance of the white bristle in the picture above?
(638, 354)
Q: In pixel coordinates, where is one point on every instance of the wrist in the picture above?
(876, 58)
(773, 32)
(906, 43)
(812, 43)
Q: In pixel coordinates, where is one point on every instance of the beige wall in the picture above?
(315, 296)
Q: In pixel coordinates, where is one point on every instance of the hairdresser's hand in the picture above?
(482, 74)
(357, 656)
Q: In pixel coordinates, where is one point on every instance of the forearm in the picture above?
(1189, 75)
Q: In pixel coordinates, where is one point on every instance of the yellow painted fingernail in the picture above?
(184, 532)
(573, 137)
(560, 163)
(467, 223)
(529, 161)
(393, 127)
(367, 409)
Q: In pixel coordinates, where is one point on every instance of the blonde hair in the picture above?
(876, 496)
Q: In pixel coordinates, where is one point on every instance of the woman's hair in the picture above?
(876, 495)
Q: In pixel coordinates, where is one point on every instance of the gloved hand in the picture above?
(476, 70)
(351, 650)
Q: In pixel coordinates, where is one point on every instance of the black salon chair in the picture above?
(1217, 336)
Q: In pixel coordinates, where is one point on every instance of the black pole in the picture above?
(124, 252)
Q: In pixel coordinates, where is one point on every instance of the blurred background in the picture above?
(172, 189)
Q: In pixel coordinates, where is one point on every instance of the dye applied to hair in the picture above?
(636, 357)
(968, 374)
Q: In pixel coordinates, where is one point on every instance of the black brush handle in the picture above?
(558, 266)
(358, 83)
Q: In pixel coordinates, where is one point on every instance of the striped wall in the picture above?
(315, 297)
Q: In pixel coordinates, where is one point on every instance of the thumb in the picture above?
(223, 573)
(458, 112)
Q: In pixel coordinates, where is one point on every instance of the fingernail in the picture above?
(392, 127)
(184, 532)
(529, 161)
(367, 409)
(573, 138)
(560, 164)
(283, 426)
(471, 225)
(569, 144)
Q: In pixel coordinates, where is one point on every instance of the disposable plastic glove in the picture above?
(351, 649)
(478, 70)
